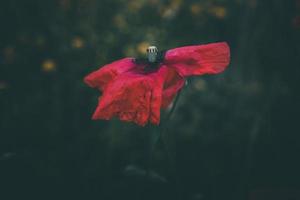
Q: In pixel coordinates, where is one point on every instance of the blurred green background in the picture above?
(232, 135)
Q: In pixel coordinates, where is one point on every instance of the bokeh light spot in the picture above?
(77, 42)
(196, 9)
(219, 12)
(200, 85)
(49, 65)
(142, 47)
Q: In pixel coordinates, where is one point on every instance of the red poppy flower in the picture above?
(132, 92)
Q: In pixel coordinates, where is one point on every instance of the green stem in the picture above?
(162, 127)
(160, 133)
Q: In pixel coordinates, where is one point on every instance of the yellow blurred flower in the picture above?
(77, 42)
(170, 11)
(219, 11)
(142, 47)
(49, 65)
(196, 9)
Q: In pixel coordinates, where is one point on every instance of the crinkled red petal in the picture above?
(199, 59)
(173, 83)
(133, 96)
(100, 78)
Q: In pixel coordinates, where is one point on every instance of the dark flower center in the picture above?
(151, 66)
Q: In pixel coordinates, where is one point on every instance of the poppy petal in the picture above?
(127, 97)
(100, 78)
(199, 59)
(173, 83)
(158, 79)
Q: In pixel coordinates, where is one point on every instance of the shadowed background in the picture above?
(233, 135)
